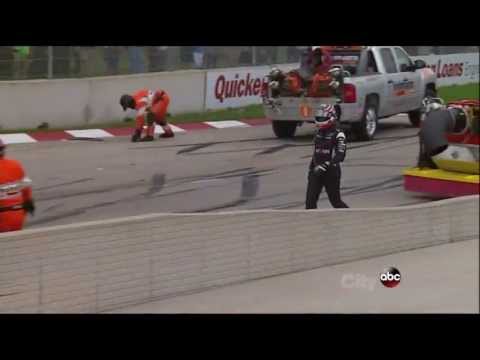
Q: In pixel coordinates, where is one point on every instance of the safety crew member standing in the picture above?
(15, 194)
(151, 107)
(329, 151)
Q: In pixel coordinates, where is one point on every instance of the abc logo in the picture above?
(390, 277)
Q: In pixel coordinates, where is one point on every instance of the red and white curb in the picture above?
(33, 137)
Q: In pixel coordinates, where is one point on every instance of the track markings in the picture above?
(17, 138)
(226, 124)
(91, 133)
(175, 129)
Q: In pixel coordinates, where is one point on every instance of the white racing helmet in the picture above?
(326, 117)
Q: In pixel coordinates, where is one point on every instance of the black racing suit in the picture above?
(329, 151)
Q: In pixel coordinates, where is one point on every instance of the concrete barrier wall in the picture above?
(76, 102)
(27, 104)
(100, 266)
(186, 89)
(453, 69)
(236, 87)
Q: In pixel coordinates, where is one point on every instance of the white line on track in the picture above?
(91, 133)
(226, 124)
(175, 129)
(17, 138)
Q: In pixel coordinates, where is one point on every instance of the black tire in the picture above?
(284, 129)
(367, 127)
(416, 116)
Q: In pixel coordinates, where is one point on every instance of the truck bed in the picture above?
(288, 108)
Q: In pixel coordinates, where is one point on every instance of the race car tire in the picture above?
(416, 116)
(284, 129)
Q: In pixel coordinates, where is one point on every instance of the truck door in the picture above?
(393, 80)
(410, 82)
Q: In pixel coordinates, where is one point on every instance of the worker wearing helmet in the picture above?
(321, 59)
(433, 104)
(314, 61)
(329, 151)
(446, 119)
(15, 193)
(151, 107)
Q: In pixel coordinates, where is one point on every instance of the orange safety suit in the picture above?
(315, 75)
(321, 78)
(15, 193)
(155, 102)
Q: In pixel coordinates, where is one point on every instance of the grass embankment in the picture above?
(457, 92)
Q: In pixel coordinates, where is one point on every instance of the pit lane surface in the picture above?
(439, 279)
(207, 170)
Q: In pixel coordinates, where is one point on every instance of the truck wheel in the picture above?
(416, 116)
(284, 129)
(367, 127)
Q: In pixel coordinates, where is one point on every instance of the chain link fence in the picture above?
(53, 62)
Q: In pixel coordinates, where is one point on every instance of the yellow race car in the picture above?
(449, 152)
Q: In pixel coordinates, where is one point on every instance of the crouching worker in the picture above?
(15, 194)
(151, 107)
(329, 151)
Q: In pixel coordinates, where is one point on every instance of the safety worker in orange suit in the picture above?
(321, 79)
(322, 59)
(15, 194)
(151, 107)
(314, 66)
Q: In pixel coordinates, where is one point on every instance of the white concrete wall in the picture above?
(75, 102)
(186, 90)
(26, 104)
(223, 90)
(100, 266)
(453, 69)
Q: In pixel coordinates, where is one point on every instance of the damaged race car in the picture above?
(448, 161)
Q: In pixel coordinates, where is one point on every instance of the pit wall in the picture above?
(100, 266)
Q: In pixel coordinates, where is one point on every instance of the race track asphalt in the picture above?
(249, 168)
(207, 170)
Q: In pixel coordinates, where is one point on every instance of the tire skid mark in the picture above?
(193, 148)
(63, 184)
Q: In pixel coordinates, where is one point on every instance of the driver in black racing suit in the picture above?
(329, 151)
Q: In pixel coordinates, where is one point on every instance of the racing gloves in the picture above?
(322, 168)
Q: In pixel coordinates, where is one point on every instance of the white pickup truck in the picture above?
(379, 81)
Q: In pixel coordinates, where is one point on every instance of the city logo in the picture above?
(358, 281)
